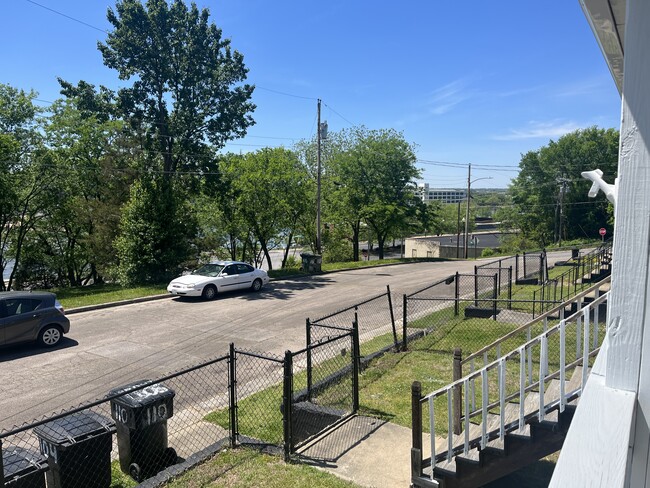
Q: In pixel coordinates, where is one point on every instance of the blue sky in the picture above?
(467, 82)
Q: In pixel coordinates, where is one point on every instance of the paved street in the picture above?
(114, 346)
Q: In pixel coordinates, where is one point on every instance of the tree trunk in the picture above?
(355, 241)
(380, 244)
(286, 251)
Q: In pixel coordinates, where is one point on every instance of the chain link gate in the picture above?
(321, 386)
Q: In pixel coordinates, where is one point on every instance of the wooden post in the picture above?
(416, 430)
(458, 394)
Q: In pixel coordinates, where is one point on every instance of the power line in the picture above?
(285, 94)
(329, 106)
(67, 16)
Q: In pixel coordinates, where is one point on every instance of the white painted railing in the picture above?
(530, 367)
(493, 351)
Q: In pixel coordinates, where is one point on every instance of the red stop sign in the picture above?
(602, 231)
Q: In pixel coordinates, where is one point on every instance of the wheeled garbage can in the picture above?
(141, 417)
(78, 450)
(23, 468)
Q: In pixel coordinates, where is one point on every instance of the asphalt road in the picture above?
(114, 346)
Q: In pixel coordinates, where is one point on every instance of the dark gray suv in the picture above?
(31, 316)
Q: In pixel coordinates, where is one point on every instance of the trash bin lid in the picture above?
(74, 428)
(18, 462)
(141, 397)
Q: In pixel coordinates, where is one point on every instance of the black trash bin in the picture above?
(311, 263)
(141, 417)
(78, 450)
(23, 468)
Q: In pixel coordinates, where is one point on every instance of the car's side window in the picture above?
(17, 306)
(229, 270)
(3, 309)
(244, 268)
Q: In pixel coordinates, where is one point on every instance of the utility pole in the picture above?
(563, 189)
(318, 170)
(469, 176)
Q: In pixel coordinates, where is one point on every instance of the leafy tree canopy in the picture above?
(549, 195)
(187, 89)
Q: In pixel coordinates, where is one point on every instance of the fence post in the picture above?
(356, 359)
(2, 469)
(286, 404)
(524, 263)
(516, 267)
(392, 315)
(416, 430)
(458, 398)
(457, 293)
(404, 338)
(232, 395)
(495, 296)
(510, 288)
(475, 287)
(309, 372)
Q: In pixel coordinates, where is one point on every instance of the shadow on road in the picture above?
(9, 353)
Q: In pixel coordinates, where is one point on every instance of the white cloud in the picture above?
(443, 99)
(538, 130)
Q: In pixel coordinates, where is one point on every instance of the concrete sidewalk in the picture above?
(368, 451)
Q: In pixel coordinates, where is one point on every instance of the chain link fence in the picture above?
(529, 268)
(374, 317)
(140, 430)
(324, 387)
(582, 272)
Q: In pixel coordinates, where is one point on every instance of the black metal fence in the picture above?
(581, 272)
(529, 268)
(375, 319)
(146, 429)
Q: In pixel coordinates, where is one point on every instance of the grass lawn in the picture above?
(248, 467)
(97, 294)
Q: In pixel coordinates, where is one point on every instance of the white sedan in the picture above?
(213, 278)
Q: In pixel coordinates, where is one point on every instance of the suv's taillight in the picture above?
(59, 307)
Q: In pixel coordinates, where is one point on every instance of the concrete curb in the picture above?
(99, 306)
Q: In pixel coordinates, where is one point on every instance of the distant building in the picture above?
(444, 195)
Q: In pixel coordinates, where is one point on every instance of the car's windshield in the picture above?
(208, 270)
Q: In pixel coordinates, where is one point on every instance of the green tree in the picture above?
(549, 196)
(156, 232)
(24, 175)
(269, 190)
(376, 177)
(187, 91)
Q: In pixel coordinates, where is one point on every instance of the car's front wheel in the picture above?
(50, 336)
(209, 292)
(257, 285)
